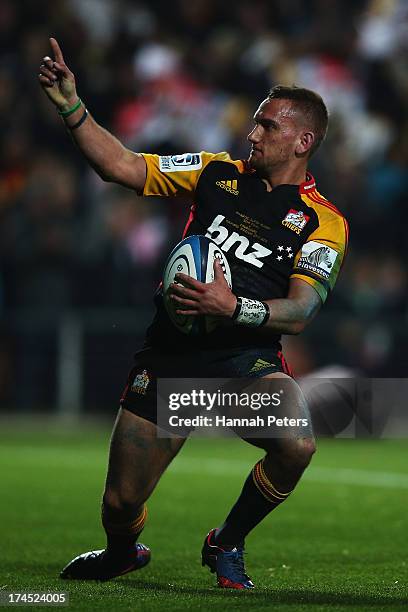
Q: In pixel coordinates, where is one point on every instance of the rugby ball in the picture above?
(194, 256)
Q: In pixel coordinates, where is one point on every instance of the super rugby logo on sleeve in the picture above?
(318, 258)
(178, 163)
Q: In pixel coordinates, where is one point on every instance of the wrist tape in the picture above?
(252, 313)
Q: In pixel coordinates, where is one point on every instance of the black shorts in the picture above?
(140, 393)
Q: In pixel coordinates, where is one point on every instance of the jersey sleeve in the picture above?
(319, 260)
(176, 175)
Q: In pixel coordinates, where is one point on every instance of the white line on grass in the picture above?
(221, 467)
(347, 476)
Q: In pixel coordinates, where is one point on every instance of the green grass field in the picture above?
(339, 543)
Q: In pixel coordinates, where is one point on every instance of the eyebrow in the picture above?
(265, 122)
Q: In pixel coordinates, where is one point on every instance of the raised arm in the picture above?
(105, 153)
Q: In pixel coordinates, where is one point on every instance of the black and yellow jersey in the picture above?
(268, 237)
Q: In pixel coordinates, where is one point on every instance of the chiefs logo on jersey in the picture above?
(295, 220)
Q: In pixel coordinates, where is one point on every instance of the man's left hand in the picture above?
(195, 298)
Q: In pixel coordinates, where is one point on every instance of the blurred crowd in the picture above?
(170, 77)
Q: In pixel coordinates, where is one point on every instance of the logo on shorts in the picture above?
(141, 383)
(261, 364)
(295, 220)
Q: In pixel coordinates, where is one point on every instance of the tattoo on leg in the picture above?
(137, 437)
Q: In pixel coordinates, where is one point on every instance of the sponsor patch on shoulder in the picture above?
(178, 163)
(318, 258)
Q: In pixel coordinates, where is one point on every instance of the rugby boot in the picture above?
(227, 563)
(99, 565)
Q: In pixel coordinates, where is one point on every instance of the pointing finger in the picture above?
(57, 51)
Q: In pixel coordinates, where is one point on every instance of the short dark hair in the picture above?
(310, 104)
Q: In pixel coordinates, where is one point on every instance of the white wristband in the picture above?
(252, 313)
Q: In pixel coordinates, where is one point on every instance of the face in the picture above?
(277, 137)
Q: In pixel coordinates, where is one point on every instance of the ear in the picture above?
(305, 143)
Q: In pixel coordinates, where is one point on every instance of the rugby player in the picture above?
(285, 244)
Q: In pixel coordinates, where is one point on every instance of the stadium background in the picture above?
(79, 258)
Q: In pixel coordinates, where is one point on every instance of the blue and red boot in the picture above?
(228, 563)
(98, 565)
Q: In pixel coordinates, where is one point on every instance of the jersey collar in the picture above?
(308, 184)
(303, 188)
